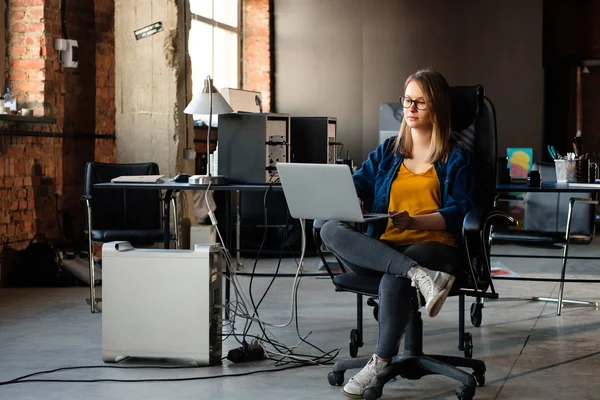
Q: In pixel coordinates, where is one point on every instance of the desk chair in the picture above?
(124, 215)
(473, 121)
(546, 216)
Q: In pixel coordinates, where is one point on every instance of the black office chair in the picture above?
(128, 215)
(473, 121)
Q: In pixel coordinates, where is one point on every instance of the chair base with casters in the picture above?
(414, 364)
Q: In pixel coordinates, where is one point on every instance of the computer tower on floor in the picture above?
(162, 303)
(250, 144)
(314, 140)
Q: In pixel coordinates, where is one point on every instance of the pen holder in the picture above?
(582, 170)
(565, 170)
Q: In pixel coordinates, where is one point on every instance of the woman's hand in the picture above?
(401, 219)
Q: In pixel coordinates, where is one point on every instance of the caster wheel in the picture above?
(335, 378)
(476, 314)
(480, 378)
(468, 345)
(354, 343)
(465, 393)
(353, 349)
(372, 393)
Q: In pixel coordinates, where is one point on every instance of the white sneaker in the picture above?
(358, 383)
(434, 286)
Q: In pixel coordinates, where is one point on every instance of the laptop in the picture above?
(322, 191)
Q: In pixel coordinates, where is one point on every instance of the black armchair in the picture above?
(129, 215)
(473, 122)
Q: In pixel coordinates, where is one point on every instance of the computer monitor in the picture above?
(390, 118)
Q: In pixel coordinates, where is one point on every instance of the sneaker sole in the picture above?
(352, 396)
(435, 305)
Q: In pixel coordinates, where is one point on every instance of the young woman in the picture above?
(425, 182)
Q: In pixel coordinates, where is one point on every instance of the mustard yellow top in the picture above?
(419, 194)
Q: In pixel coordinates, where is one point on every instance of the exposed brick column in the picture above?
(32, 178)
(257, 49)
(27, 52)
(41, 178)
(105, 150)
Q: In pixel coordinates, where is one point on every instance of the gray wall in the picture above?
(150, 85)
(341, 58)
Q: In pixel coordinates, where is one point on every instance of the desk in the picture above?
(556, 187)
(550, 187)
(170, 188)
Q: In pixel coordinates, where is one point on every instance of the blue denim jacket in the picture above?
(373, 182)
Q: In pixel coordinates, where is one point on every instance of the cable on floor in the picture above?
(22, 379)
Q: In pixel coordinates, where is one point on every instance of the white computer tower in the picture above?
(161, 303)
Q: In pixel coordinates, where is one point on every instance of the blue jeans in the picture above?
(367, 256)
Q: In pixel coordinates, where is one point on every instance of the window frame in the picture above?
(220, 25)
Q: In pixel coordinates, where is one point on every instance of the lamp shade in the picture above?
(200, 103)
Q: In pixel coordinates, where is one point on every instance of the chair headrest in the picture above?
(465, 101)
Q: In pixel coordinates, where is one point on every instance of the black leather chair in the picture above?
(128, 215)
(473, 121)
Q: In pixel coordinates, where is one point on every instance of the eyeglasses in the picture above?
(407, 103)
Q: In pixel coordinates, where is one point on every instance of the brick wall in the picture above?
(27, 187)
(42, 177)
(257, 49)
(27, 50)
(105, 150)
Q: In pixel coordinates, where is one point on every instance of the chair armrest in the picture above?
(85, 197)
(480, 218)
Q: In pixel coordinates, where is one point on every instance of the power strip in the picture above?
(246, 352)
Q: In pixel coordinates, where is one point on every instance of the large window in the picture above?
(214, 42)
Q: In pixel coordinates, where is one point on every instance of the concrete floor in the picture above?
(530, 352)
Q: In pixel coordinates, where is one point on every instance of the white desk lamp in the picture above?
(208, 102)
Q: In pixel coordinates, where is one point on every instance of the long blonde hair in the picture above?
(437, 94)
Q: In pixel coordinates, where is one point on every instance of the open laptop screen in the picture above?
(320, 191)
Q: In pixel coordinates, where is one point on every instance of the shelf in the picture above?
(29, 119)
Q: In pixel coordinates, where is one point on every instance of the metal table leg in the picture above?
(572, 202)
(167, 218)
(238, 232)
(227, 245)
(560, 300)
(176, 220)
